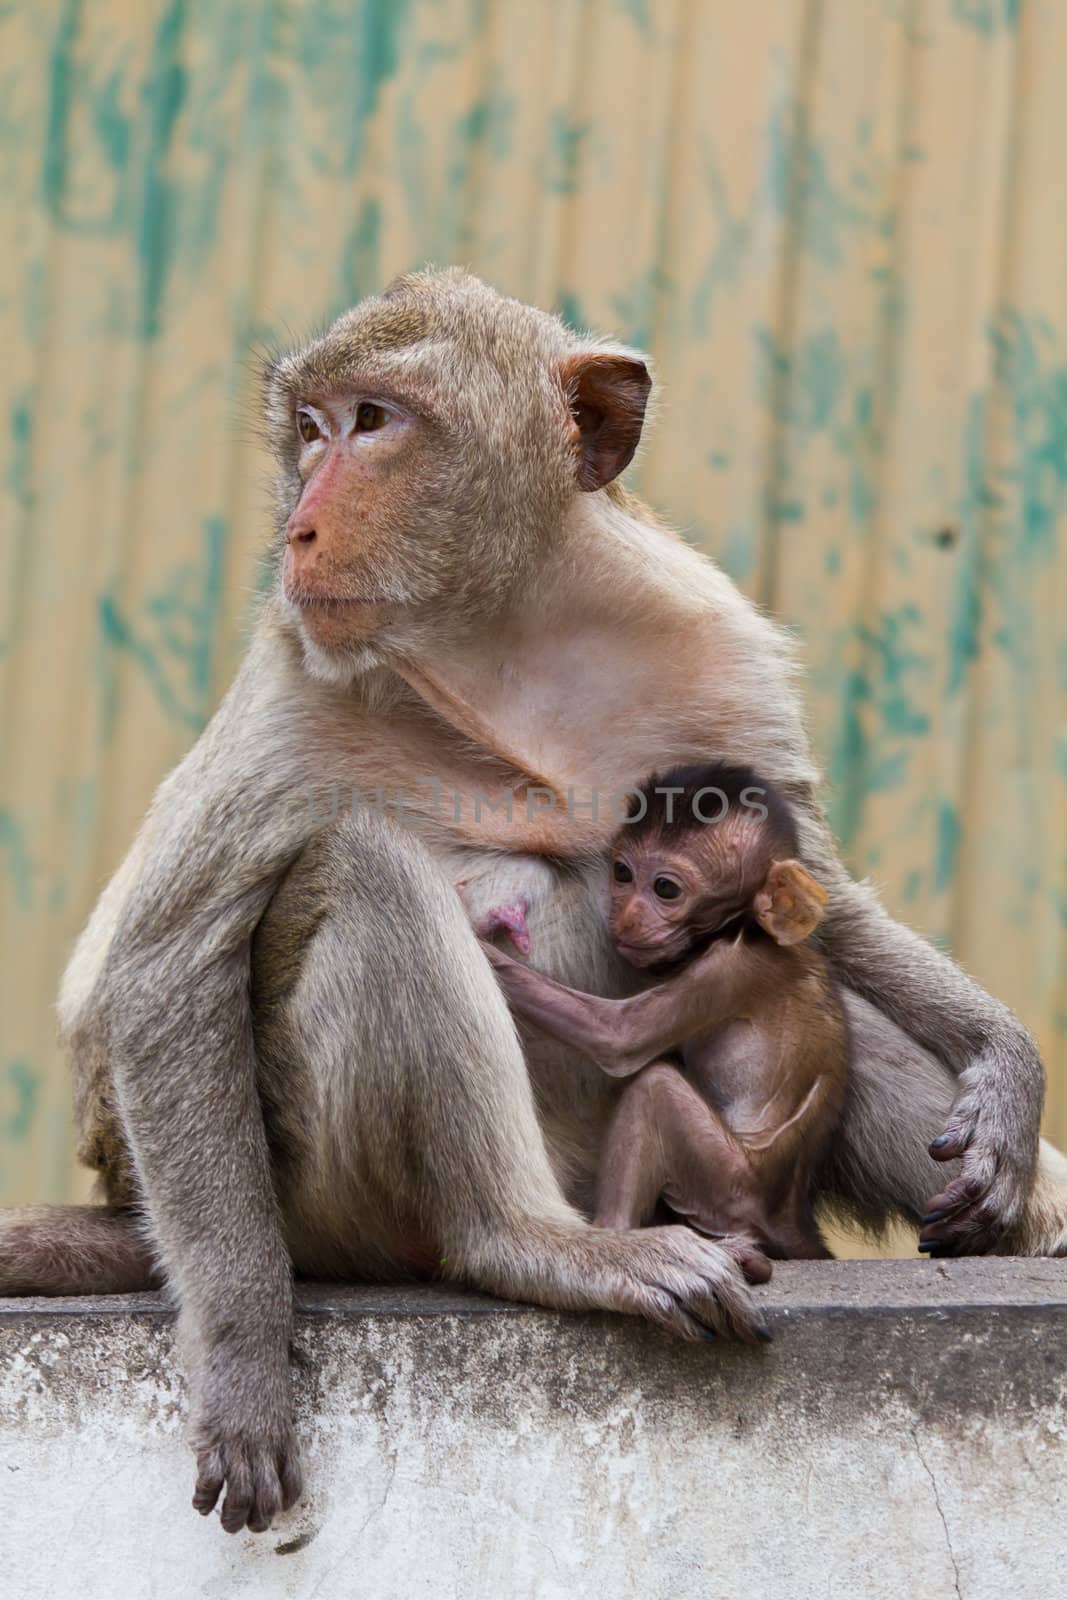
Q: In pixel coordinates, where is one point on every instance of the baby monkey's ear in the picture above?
(790, 904)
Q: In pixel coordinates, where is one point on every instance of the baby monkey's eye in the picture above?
(667, 889)
(622, 873)
(307, 427)
(369, 417)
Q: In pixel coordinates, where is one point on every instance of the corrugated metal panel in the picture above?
(838, 226)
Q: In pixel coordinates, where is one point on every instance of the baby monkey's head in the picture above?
(694, 858)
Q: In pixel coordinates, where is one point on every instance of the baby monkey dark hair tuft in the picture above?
(705, 793)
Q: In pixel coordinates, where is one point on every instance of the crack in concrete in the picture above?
(376, 1511)
(940, 1511)
(352, 1544)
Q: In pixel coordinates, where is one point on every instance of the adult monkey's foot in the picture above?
(692, 1287)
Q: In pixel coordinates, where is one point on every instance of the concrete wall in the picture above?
(903, 1437)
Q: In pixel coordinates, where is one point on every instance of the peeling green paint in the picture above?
(880, 717)
(733, 239)
(15, 853)
(1025, 367)
(738, 554)
(801, 387)
(911, 886)
(360, 263)
(946, 846)
(638, 12)
(60, 71)
(801, 184)
(787, 511)
(489, 124)
(20, 471)
(847, 760)
(639, 309)
(898, 665)
(567, 138)
(19, 1094)
(164, 95)
(348, 53)
(569, 308)
(171, 641)
(986, 16)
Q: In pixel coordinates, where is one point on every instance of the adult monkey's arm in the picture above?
(996, 1116)
(173, 993)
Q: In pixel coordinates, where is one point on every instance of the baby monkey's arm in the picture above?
(622, 1036)
(729, 980)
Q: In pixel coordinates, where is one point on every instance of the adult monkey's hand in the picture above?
(998, 1152)
(994, 1126)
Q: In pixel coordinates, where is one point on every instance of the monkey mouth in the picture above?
(666, 956)
(336, 621)
(646, 955)
(335, 604)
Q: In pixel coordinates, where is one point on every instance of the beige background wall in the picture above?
(841, 229)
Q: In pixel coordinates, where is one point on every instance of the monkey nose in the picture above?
(298, 531)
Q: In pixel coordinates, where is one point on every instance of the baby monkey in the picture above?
(736, 1054)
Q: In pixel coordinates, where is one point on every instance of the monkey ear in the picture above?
(790, 904)
(607, 395)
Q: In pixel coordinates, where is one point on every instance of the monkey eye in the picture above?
(307, 427)
(370, 417)
(622, 873)
(666, 889)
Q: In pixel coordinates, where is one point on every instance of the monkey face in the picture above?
(346, 569)
(429, 445)
(673, 890)
(661, 905)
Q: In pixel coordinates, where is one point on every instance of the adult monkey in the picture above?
(265, 1057)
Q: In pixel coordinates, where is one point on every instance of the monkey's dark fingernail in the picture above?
(942, 1141)
(927, 1244)
(764, 1334)
(933, 1216)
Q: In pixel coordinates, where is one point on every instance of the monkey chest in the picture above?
(729, 1067)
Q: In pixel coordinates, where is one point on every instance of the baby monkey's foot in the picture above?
(509, 919)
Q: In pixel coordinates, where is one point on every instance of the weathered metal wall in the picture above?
(839, 227)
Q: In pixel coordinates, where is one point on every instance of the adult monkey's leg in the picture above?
(420, 1136)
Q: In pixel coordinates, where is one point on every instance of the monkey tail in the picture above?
(54, 1250)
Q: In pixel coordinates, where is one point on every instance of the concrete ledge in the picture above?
(903, 1437)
